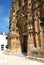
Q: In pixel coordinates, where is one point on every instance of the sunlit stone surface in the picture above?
(25, 32)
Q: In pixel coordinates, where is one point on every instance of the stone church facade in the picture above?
(26, 26)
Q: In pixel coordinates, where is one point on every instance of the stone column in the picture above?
(41, 35)
(37, 27)
(30, 39)
(29, 45)
(39, 32)
(36, 33)
(30, 28)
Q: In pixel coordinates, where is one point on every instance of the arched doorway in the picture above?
(22, 25)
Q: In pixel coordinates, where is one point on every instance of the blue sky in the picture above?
(5, 6)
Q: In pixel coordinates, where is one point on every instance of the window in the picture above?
(2, 47)
(6, 37)
(7, 46)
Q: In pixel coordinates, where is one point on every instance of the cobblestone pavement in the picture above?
(17, 60)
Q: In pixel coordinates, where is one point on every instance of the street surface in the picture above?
(17, 60)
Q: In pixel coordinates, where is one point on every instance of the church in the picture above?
(26, 26)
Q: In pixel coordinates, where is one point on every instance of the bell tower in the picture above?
(14, 37)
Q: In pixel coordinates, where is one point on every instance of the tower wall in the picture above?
(14, 36)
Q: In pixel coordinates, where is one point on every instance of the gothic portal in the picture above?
(25, 28)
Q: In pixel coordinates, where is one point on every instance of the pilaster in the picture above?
(30, 28)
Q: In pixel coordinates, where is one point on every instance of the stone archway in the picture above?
(22, 25)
